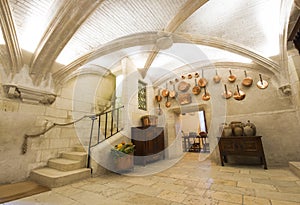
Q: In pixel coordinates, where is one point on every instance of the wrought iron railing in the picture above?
(111, 117)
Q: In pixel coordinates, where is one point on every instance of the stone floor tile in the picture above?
(140, 180)
(289, 189)
(222, 182)
(172, 196)
(250, 200)
(291, 197)
(195, 191)
(275, 182)
(224, 196)
(256, 186)
(146, 190)
(197, 200)
(169, 187)
(233, 189)
(276, 202)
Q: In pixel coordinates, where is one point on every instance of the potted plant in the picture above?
(122, 154)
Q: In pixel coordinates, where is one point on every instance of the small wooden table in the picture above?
(243, 146)
(196, 145)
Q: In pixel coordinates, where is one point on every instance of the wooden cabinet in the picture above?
(244, 146)
(149, 144)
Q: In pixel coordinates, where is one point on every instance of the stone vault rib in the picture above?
(10, 37)
(68, 19)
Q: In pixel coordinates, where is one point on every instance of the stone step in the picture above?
(78, 156)
(54, 178)
(79, 148)
(64, 164)
(295, 168)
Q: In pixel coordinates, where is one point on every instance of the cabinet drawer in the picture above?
(249, 146)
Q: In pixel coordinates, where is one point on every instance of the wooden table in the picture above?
(195, 146)
(243, 146)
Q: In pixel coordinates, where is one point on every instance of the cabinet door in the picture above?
(228, 145)
(249, 146)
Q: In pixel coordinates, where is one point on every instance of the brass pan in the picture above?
(202, 82)
(247, 81)
(231, 77)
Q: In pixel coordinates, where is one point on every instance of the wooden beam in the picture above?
(10, 37)
(70, 17)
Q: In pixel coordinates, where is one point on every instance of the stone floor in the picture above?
(190, 181)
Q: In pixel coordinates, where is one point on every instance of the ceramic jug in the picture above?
(249, 129)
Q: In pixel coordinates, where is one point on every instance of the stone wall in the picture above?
(274, 114)
(18, 118)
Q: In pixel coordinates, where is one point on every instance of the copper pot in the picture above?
(196, 89)
(231, 77)
(168, 103)
(202, 82)
(183, 86)
(158, 96)
(217, 78)
(227, 93)
(165, 92)
(206, 95)
(262, 84)
(173, 93)
(247, 81)
(239, 95)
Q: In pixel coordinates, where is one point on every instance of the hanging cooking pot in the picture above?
(262, 84)
(196, 89)
(183, 86)
(206, 95)
(159, 110)
(217, 78)
(196, 75)
(239, 95)
(190, 76)
(158, 96)
(165, 92)
(202, 82)
(168, 103)
(247, 81)
(173, 92)
(227, 93)
(231, 77)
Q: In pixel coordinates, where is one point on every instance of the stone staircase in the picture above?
(295, 168)
(70, 167)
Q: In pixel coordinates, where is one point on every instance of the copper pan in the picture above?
(217, 78)
(262, 84)
(158, 96)
(159, 110)
(227, 93)
(247, 81)
(239, 95)
(196, 89)
(165, 92)
(206, 95)
(202, 82)
(173, 92)
(231, 77)
(168, 103)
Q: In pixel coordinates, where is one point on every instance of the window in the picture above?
(142, 95)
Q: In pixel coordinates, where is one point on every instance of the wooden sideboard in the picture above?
(149, 144)
(243, 146)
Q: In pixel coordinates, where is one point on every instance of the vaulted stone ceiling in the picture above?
(53, 38)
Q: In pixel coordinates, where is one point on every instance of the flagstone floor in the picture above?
(190, 181)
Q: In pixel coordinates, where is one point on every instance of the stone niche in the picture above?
(28, 94)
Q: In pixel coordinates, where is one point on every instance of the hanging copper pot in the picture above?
(196, 75)
(247, 81)
(158, 97)
(239, 95)
(190, 76)
(206, 95)
(262, 84)
(168, 103)
(159, 110)
(165, 92)
(176, 80)
(227, 93)
(217, 78)
(231, 77)
(183, 77)
(196, 89)
(202, 82)
(173, 92)
(183, 86)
